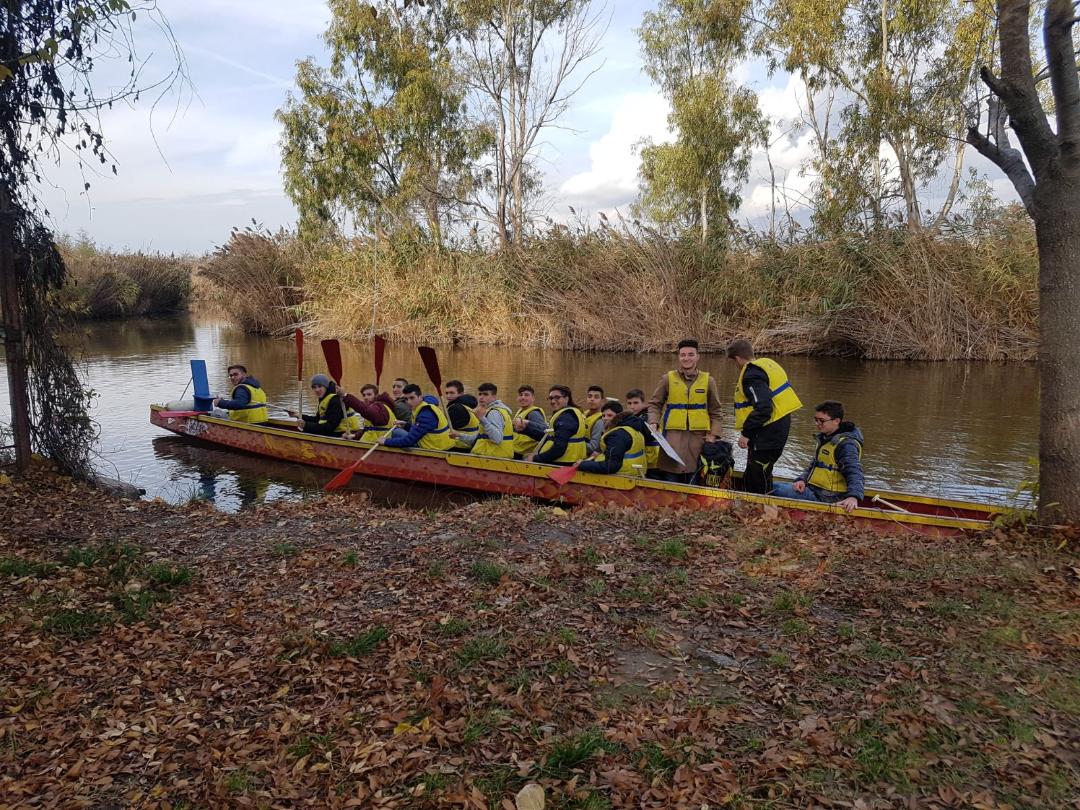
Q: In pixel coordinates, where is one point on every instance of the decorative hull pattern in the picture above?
(924, 515)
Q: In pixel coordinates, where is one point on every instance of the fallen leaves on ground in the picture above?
(340, 654)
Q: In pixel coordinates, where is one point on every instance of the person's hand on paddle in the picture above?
(519, 425)
(848, 504)
(293, 414)
(528, 457)
(453, 434)
(744, 442)
(382, 439)
(480, 411)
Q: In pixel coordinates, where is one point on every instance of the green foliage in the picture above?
(572, 752)
(359, 645)
(76, 624)
(487, 572)
(18, 567)
(170, 576)
(480, 649)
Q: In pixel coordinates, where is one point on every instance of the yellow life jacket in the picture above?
(523, 445)
(258, 397)
(575, 448)
(591, 419)
(438, 439)
(687, 406)
(633, 461)
(370, 429)
(351, 422)
(826, 474)
(504, 449)
(784, 399)
(471, 428)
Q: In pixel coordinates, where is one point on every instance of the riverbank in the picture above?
(343, 654)
(969, 293)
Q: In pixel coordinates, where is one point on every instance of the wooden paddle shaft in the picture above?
(890, 504)
(376, 445)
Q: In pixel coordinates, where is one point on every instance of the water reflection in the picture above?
(959, 429)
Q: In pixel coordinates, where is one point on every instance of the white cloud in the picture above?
(612, 177)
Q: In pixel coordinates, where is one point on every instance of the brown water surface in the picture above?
(947, 429)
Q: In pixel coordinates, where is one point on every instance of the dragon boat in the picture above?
(880, 510)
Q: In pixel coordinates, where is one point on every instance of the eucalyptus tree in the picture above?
(380, 135)
(695, 180)
(523, 62)
(1045, 171)
(49, 107)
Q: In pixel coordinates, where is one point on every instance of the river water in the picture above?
(947, 429)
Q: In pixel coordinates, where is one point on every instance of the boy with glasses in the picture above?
(835, 475)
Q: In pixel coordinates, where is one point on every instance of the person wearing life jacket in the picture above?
(565, 444)
(377, 411)
(496, 424)
(594, 413)
(331, 418)
(401, 408)
(639, 407)
(686, 407)
(247, 403)
(430, 428)
(764, 402)
(530, 423)
(835, 475)
(464, 424)
(622, 447)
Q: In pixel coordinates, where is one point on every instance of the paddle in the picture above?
(332, 352)
(562, 475)
(380, 350)
(431, 366)
(890, 504)
(345, 476)
(300, 370)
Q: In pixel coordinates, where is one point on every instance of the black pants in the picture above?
(759, 466)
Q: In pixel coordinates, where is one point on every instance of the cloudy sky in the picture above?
(194, 164)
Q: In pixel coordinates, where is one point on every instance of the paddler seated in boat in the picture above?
(332, 418)
(622, 447)
(764, 402)
(639, 407)
(430, 428)
(835, 475)
(565, 443)
(401, 408)
(496, 424)
(247, 403)
(464, 423)
(377, 411)
(530, 423)
(594, 416)
(686, 407)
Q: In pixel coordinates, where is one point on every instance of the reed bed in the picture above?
(957, 295)
(107, 284)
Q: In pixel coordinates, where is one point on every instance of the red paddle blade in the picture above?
(342, 478)
(431, 365)
(332, 352)
(380, 350)
(563, 474)
(300, 355)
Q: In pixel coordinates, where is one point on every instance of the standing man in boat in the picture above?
(686, 406)
(401, 408)
(430, 429)
(496, 424)
(835, 475)
(566, 442)
(331, 418)
(622, 445)
(377, 410)
(530, 423)
(247, 403)
(764, 402)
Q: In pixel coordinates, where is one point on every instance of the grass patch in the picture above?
(876, 761)
(358, 645)
(85, 557)
(453, 627)
(308, 744)
(656, 762)
(876, 651)
(436, 569)
(797, 628)
(18, 567)
(75, 624)
(487, 572)
(350, 560)
(169, 576)
(480, 649)
(673, 549)
(1005, 636)
(284, 550)
(572, 752)
(240, 781)
(790, 602)
(135, 606)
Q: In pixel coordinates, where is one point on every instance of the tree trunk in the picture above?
(704, 214)
(1058, 233)
(14, 338)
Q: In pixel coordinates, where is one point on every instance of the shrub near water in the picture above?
(104, 284)
(968, 293)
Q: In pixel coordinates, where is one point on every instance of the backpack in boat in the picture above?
(714, 465)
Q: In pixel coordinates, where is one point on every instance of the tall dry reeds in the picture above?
(895, 295)
(107, 284)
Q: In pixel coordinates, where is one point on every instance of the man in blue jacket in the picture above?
(835, 475)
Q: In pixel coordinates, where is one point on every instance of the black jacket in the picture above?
(456, 410)
(616, 445)
(335, 412)
(755, 385)
(564, 429)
